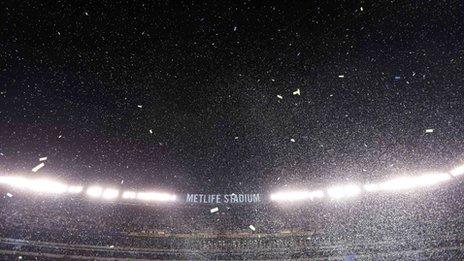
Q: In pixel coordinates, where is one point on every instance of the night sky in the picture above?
(83, 84)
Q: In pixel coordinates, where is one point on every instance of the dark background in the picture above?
(207, 75)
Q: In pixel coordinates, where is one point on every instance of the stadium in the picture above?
(408, 218)
(232, 130)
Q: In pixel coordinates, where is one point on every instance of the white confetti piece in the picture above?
(429, 130)
(111, 246)
(297, 92)
(236, 138)
(43, 159)
(362, 9)
(235, 28)
(139, 106)
(36, 168)
(214, 210)
(9, 195)
(59, 137)
(292, 140)
(279, 96)
(341, 76)
(151, 131)
(122, 181)
(252, 227)
(273, 79)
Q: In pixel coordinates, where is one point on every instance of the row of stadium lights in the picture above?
(352, 190)
(47, 186)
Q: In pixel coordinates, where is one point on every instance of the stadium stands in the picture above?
(419, 225)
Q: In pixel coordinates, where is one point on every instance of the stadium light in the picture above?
(406, 182)
(344, 191)
(94, 191)
(42, 185)
(297, 195)
(75, 189)
(458, 171)
(129, 195)
(110, 193)
(47, 186)
(155, 196)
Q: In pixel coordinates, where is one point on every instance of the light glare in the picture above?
(345, 191)
(75, 189)
(110, 193)
(297, 195)
(94, 191)
(129, 195)
(406, 182)
(458, 171)
(155, 196)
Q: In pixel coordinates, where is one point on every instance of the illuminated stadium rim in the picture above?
(402, 183)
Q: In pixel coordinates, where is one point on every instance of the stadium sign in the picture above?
(222, 198)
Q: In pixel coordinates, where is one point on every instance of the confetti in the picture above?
(397, 77)
(235, 28)
(139, 106)
(111, 246)
(279, 96)
(236, 138)
(297, 92)
(43, 159)
(151, 131)
(429, 130)
(362, 9)
(9, 195)
(341, 76)
(214, 210)
(252, 227)
(292, 140)
(36, 168)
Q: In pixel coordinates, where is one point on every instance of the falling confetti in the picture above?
(139, 106)
(362, 9)
(297, 92)
(151, 131)
(429, 130)
(341, 76)
(9, 195)
(214, 210)
(43, 159)
(252, 227)
(279, 96)
(36, 168)
(292, 140)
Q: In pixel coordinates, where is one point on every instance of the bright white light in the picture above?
(94, 191)
(110, 193)
(13, 181)
(47, 186)
(75, 189)
(38, 185)
(155, 196)
(345, 191)
(408, 182)
(458, 171)
(129, 195)
(297, 195)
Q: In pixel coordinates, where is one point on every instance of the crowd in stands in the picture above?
(400, 223)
